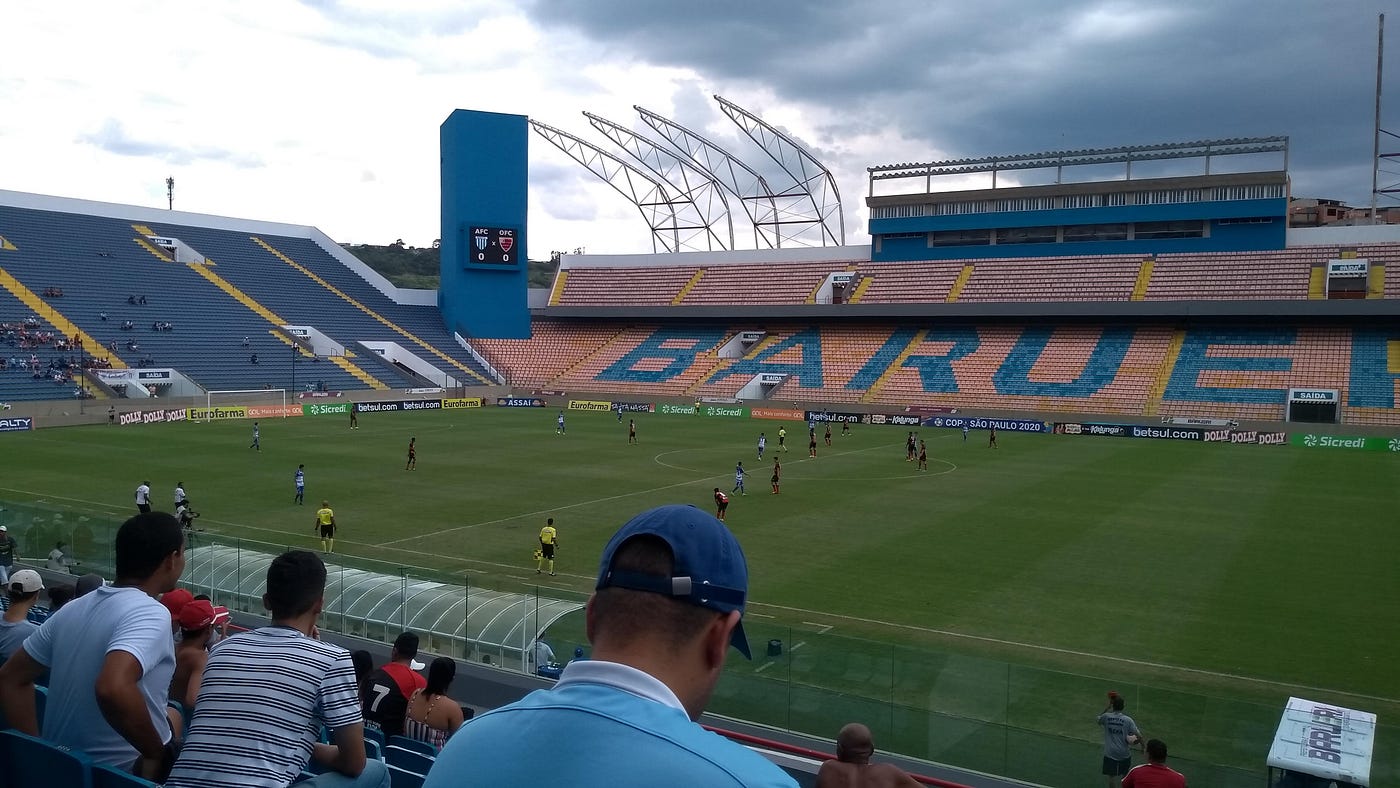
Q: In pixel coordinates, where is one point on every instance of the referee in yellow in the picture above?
(548, 539)
(325, 523)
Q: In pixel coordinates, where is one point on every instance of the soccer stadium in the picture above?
(1046, 436)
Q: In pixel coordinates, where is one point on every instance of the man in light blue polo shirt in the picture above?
(668, 604)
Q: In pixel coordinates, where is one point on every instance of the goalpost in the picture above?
(210, 395)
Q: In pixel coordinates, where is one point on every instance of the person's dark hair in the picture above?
(1156, 750)
(144, 542)
(295, 580)
(625, 614)
(1117, 702)
(364, 666)
(205, 597)
(59, 596)
(15, 595)
(407, 645)
(440, 675)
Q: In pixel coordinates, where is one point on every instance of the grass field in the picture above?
(975, 613)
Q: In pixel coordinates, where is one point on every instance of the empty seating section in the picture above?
(786, 283)
(845, 352)
(1218, 276)
(301, 300)
(626, 365)
(922, 281)
(624, 286)
(1104, 278)
(552, 349)
(97, 264)
(1389, 256)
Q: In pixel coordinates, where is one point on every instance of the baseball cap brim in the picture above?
(416, 665)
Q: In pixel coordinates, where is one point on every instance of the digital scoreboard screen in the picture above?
(491, 245)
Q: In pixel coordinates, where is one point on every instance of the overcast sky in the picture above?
(326, 113)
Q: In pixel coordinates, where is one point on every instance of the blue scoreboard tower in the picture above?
(482, 292)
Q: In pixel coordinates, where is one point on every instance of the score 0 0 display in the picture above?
(491, 245)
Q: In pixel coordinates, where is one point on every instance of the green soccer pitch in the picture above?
(975, 612)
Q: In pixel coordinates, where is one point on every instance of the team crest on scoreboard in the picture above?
(506, 243)
(481, 241)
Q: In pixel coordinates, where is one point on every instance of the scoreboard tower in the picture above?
(483, 287)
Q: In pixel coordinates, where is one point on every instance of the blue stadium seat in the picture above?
(109, 777)
(30, 761)
(375, 735)
(408, 759)
(414, 745)
(403, 778)
(373, 749)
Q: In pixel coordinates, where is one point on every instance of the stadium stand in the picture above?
(1108, 278)
(621, 286)
(1281, 275)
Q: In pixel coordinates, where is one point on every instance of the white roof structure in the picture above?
(454, 619)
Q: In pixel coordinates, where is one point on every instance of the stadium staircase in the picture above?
(1164, 374)
(1144, 277)
(561, 280)
(958, 284)
(898, 363)
(859, 293)
(98, 265)
(688, 286)
(277, 323)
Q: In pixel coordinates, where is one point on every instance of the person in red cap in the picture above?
(196, 620)
(175, 601)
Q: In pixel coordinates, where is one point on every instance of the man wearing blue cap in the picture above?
(669, 600)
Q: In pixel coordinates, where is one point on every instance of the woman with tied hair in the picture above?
(432, 715)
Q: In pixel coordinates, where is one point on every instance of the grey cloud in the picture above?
(112, 137)
(1009, 76)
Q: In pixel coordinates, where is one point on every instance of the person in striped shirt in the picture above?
(266, 693)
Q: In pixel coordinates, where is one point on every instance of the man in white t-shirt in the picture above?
(180, 496)
(110, 657)
(143, 497)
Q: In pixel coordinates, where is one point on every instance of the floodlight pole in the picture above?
(170, 193)
(1376, 136)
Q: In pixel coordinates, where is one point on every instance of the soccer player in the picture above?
(721, 504)
(325, 523)
(354, 416)
(412, 464)
(964, 432)
(992, 437)
(777, 474)
(300, 478)
(180, 496)
(631, 429)
(762, 444)
(828, 433)
(739, 479)
(812, 444)
(782, 439)
(256, 444)
(909, 447)
(845, 428)
(619, 414)
(143, 497)
(559, 424)
(548, 539)
(923, 455)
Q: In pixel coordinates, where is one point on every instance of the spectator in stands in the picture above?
(88, 583)
(386, 698)
(141, 300)
(669, 602)
(23, 592)
(9, 550)
(110, 657)
(266, 694)
(852, 767)
(253, 359)
(432, 715)
(1119, 734)
(175, 601)
(364, 667)
(222, 619)
(1155, 773)
(127, 325)
(102, 316)
(58, 558)
(131, 299)
(196, 622)
(58, 597)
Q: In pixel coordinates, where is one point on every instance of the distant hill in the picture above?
(417, 267)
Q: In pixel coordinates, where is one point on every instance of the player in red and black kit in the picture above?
(777, 475)
(412, 455)
(828, 433)
(992, 438)
(721, 504)
(812, 444)
(631, 430)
